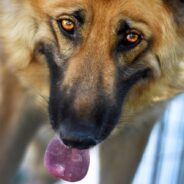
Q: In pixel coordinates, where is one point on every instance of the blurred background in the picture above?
(163, 160)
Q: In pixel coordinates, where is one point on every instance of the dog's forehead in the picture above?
(108, 13)
(135, 8)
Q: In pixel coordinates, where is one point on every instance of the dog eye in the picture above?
(130, 39)
(67, 25)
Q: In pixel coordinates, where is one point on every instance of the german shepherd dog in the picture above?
(108, 67)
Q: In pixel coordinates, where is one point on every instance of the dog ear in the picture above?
(177, 8)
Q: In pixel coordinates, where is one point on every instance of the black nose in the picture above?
(78, 135)
(79, 143)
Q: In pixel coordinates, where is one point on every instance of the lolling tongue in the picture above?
(64, 162)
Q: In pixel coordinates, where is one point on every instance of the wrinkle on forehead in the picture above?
(95, 4)
(145, 10)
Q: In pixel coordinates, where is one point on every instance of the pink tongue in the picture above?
(64, 162)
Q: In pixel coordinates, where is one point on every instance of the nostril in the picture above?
(83, 143)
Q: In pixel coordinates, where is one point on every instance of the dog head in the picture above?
(105, 58)
(103, 51)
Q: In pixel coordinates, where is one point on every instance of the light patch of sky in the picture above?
(169, 156)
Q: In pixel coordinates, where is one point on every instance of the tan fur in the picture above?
(24, 24)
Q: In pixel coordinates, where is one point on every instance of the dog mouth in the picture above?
(64, 162)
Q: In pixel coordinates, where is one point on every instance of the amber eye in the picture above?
(132, 37)
(130, 40)
(67, 25)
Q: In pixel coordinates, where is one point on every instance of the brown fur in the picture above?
(24, 24)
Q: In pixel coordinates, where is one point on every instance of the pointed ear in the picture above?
(177, 9)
